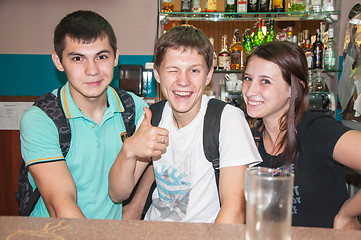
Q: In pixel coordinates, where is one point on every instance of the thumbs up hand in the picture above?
(147, 141)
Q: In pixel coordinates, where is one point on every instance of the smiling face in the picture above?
(264, 90)
(183, 76)
(89, 67)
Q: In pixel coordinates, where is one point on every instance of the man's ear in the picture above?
(156, 74)
(209, 75)
(56, 61)
(116, 58)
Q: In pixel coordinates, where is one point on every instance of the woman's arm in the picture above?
(347, 151)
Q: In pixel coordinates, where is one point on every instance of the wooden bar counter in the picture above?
(12, 228)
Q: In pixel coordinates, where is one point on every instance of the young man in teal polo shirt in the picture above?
(85, 49)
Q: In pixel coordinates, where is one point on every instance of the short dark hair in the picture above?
(184, 37)
(292, 62)
(83, 26)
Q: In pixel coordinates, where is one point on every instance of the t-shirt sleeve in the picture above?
(323, 132)
(237, 146)
(39, 138)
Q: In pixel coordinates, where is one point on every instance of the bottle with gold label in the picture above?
(211, 5)
(167, 6)
(237, 52)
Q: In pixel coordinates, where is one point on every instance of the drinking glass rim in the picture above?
(277, 174)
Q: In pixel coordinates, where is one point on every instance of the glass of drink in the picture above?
(268, 194)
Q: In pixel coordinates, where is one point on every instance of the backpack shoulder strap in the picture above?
(129, 110)
(157, 110)
(211, 130)
(51, 105)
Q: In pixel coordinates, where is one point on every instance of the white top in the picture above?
(186, 186)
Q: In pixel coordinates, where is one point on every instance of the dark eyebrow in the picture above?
(82, 55)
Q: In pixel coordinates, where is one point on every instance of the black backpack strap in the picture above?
(52, 107)
(211, 130)
(157, 110)
(129, 110)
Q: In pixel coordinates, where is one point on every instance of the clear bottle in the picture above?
(186, 6)
(271, 35)
(196, 6)
(316, 5)
(230, 6)
(329, 53)
(317, 49)
(237, 53)
(328, 5)
(215, 60)
(167, 6)
(307, 48)
(212, 6)
(224, 58)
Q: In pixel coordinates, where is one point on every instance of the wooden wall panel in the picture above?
(10, 162)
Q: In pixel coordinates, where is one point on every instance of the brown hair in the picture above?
(85, 27)
(292, 62)
(184, 37)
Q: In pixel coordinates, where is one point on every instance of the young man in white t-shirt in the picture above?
(186, 187)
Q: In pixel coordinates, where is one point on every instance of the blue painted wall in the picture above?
(34, 75)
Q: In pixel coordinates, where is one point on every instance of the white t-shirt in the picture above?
(186, 186)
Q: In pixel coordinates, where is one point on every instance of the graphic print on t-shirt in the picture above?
(296, 194)
(173, 189)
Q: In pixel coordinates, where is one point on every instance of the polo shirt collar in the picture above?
(71, 110)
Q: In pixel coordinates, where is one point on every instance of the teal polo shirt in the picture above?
(92, 151)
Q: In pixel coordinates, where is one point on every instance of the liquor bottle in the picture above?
(252, 5)
(237, 53)
(211, 5)
(167, 6)
(330, 52)
(278, 5)
(224, 58)
(186, 6)
(289, 34)
(264, 5)
(241, 6)
(258, 38)
(328, 5)
(271, 34)
(298, 5)
(247, 42)
(317, 49)
(316, 5)
(196, 6)
(230, 6)
(307, 48)
(301, 41)
(215, 62)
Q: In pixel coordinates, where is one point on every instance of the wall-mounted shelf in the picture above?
(223, 16)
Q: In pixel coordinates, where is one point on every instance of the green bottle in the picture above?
(271, 34)
(247, 42)
(258, 38)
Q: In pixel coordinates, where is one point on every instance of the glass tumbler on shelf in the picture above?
(269, 195)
